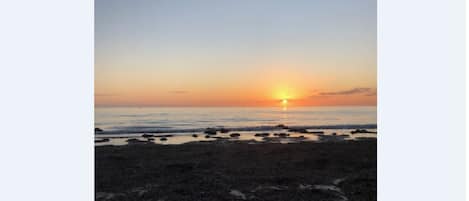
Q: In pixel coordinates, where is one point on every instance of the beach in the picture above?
(237, 170)
(216, 154)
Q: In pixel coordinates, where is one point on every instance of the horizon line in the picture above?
(218, 106)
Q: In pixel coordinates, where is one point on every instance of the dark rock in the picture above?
(133, 140)
(98, 130)
(281, 126)
(298, 130)
(224, 130)
(164, 136)
(283, 134)
(195, 135)
(210, 131)
(262, 134)
(207, 136)
(147, 135)
(334, 133)
(235, 135)
(358, 131)
(361, 131)
(151, 139)
(317, 132)
(163, 139)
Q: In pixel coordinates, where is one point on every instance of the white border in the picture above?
(46, 101)
(421, 100)
(467, 101)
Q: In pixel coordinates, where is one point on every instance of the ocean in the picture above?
(117, 120)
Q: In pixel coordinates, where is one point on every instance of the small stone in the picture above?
(147, 135)
(238, 194)
(210, 131)
(281, 126)
(262, 134)
(298, 130)
(283, 134)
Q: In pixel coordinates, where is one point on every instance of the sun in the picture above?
(284, 101)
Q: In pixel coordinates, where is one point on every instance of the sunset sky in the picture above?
(235, 53)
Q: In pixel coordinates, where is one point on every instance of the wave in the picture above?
(150, 129)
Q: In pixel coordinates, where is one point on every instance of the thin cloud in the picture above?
(371, 94)
(348, 92)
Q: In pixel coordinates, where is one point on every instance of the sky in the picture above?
(235, 53)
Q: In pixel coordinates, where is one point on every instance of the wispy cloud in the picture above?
(364, 91)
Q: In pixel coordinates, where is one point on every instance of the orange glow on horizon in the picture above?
(275, 88)
(253, 98)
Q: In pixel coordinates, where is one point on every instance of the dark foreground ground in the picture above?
(237, 171)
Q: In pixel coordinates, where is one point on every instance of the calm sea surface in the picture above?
(146, 119)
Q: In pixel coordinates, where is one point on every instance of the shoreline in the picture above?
(236, 170)
(155, 130)
(282, 135)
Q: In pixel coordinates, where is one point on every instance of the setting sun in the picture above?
(284, 101)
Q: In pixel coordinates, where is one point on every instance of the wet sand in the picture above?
(237, 170)
(292, 135)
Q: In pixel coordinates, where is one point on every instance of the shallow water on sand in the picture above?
(294, 137)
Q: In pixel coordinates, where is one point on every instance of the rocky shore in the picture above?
(331, 170)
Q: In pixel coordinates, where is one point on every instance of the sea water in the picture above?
(115, 120)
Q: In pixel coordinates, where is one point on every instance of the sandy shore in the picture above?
(343, 170)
